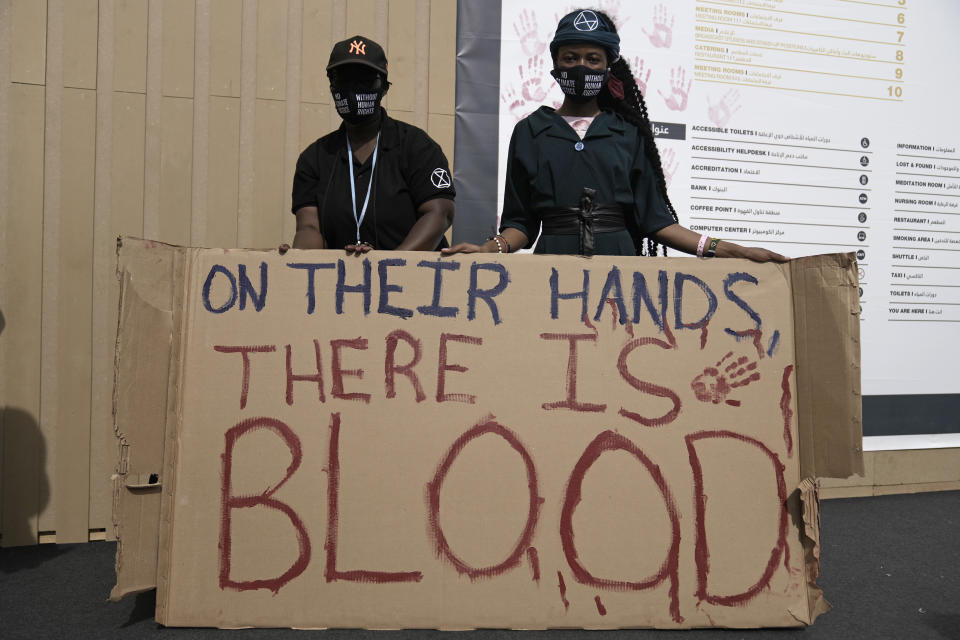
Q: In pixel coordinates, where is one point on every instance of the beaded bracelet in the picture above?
(496, 239)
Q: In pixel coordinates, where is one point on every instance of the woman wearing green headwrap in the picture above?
(587, 177)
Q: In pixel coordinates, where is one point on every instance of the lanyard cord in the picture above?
(353, 187)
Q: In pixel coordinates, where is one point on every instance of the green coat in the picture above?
(545, 170)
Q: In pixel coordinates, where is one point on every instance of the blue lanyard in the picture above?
(353, 187)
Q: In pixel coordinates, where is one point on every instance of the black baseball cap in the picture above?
(358, 50)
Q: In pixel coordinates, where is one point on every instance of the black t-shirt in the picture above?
(411, 169)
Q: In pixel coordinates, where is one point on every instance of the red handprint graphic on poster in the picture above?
(679, 90)
(714, 385)
(515, 103)
(613, 9)
(636, 66)
(721, 111)
(533, 88)
(527, 30)
(661, 33)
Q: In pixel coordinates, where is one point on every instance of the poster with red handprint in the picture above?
(403, 441)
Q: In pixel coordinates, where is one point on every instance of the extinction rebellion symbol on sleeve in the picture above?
(440, 178)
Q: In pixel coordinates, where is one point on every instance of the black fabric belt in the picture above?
(586, 220)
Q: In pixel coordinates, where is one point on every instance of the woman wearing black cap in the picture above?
(375, 182)
(587, 177)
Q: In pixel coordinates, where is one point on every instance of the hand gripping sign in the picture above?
(401, 440)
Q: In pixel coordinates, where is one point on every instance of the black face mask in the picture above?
(357, 105)
(581, 83)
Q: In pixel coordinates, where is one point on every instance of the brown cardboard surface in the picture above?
(546, 465)
(827, 319)
(144, 355)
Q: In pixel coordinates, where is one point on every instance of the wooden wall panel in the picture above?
(28, 41)
(201, 122)
(26, 486)
(181, 120)
(270, 188)
(178, 47)
(443, 56)
(421, 67)
(401, 55)
(130, 45)
(80, 44)
(360, 19)
(103, 335)
(338, 32)
(50, 284)
(5, 85)
(315, 51)
(440, 127)
(291, 138)
(226, 20)
(271, 49)
(151, 149)
(74, 309)
(222, 173)
(248, 95)
(314, 121)
(176, 170)
(129, 125)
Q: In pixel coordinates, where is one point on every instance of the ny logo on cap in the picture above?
(586, 21)
(360, 48)
(440, 178)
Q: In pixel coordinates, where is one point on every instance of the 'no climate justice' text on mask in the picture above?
(581, 82)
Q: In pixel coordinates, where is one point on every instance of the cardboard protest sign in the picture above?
(404, 440)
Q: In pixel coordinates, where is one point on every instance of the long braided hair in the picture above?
(633, 109)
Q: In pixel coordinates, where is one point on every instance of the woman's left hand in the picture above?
(759, 254)
(465, 247)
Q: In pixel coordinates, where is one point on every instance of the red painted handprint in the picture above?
(613, 9)
(661, 34)
(720, 112)
(679, 90)
(527, 30)
(714, 385)
(636, 65)
(534, 89)
(515, 103)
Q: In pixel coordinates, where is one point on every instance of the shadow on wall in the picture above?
(24, 488)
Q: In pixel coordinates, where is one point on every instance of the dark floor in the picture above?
(891, 569)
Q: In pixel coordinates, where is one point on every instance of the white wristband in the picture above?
(701, 245)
